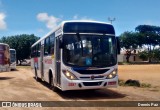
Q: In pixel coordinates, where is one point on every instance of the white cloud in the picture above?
(51, 21)
(3, 24)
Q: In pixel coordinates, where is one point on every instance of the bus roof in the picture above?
(84, 21)
(70, 21)
(4, 44)
(11, 49)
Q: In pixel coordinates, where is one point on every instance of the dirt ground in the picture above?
(20, 85)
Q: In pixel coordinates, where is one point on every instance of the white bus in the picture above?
(77, 55)
(4, 57)
(13, 59)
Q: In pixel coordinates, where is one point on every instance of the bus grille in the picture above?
(102, 71)
(92, 83)
(95, 77)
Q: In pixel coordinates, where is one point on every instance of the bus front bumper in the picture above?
(88, 84)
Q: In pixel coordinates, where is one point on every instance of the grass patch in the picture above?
(124, 63)
(26, 67)
(142, 85)
(121, 82)
(137, 63)
(145, 85)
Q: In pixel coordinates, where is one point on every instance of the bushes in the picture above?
(143, 55)
(154, 55)
(134, 83)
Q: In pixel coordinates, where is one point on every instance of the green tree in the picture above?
(156, 55)
(130, 41)
(143, 55)
(21, 43)
(151, 37)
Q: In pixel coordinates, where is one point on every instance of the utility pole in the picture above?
(111, 19)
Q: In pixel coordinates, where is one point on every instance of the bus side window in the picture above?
(38, 50)
(33, 52)
(52, 43)
(47, 46)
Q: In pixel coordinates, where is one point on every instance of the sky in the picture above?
(38, 17)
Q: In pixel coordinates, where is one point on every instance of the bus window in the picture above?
(47, 46)
(38, 50)
(1, 58)
(52, 43)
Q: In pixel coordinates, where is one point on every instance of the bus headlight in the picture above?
(69, 75)
(112, 74)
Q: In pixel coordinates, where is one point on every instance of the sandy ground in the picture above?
(20, 85)
(144, 73)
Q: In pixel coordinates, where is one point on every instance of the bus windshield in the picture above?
(12, 55)
(89, 50)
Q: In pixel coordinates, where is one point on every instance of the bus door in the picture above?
(57, 61)
(42, 62)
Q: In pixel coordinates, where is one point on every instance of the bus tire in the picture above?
(52, 87)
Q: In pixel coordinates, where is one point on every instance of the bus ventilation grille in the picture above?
(101, 71)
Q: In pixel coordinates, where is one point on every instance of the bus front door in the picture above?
(57, 62)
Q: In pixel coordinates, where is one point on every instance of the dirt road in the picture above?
(20, 85)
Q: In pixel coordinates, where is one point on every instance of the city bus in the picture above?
(13, 59)
(4, 57)
(77, 55)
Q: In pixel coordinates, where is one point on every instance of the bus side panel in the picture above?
(47, 64)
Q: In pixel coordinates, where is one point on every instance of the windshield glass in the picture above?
(89, 50)
(12, 56)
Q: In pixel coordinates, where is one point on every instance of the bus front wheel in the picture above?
(52, 87)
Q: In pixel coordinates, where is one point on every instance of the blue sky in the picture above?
(40, 16)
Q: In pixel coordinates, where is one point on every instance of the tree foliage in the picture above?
(151, 37)
(22, 44)
(144, 35)
(130, 41)
(143, 55)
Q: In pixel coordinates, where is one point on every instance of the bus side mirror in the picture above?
(118, 45)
